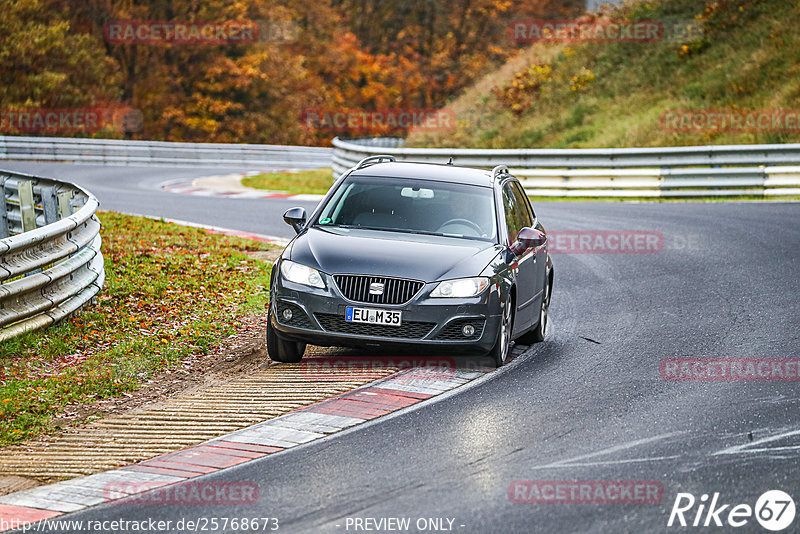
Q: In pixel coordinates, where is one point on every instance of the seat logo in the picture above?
(376, 288)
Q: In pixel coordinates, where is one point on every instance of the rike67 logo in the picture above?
(774, 510)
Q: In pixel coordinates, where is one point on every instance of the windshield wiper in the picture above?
(401, 231)
(379, 229)
(420, 232)
(331, 225)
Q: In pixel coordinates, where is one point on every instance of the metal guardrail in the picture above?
(161, 153)
(50, 259)
(725, 170)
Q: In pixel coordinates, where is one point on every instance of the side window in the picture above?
(513, 216)
(524, 205)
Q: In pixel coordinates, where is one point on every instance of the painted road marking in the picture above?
(754, 446)
(610, 450)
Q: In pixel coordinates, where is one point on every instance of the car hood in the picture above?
(419, 257)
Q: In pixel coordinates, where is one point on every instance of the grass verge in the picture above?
(171, 294)
(316, 182)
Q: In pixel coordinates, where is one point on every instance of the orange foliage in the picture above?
(354, 54)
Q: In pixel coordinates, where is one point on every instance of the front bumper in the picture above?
(318, 318)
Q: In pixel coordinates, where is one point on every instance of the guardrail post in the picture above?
(26, 206)
(64, 204)
(3, 209)
(50, 205)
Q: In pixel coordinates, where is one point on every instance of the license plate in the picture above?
(372, 316)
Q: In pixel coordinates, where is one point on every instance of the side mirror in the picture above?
(296, 218)
(528, 238)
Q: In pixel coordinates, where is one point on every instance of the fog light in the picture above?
(468, 330)
(287, 314)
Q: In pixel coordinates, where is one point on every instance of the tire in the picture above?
(502, 347)
(282, 350)
(537, 334)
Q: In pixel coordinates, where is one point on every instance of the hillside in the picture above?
(725, 56)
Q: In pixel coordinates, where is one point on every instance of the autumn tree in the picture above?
(44, 63)
(362, 54)
(451, 42)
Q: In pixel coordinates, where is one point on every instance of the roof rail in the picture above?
(498, 171)
(372, 160)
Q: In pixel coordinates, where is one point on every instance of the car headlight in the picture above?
(300, 274)
(461, 287)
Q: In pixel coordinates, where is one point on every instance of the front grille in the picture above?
(452, 330)
(407, 330)
(299, 318)
(395, 290)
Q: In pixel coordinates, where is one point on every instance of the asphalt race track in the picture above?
(588, 404)
(138, 190)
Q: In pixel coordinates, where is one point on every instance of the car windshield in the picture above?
(412, 206)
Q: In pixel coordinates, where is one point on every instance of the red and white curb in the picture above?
(274, 239)
(230, 186)
(340, 412)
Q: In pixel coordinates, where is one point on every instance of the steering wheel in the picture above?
(465, 222)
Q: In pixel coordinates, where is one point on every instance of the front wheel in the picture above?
(502, 346)
(283, 350)
(537, 334)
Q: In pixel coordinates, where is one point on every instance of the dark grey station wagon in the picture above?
(398, 253)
